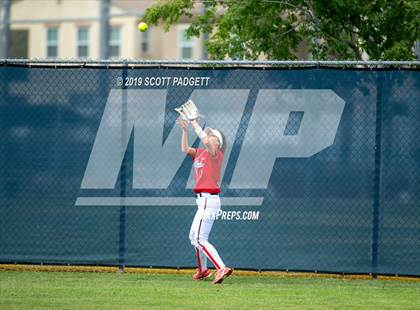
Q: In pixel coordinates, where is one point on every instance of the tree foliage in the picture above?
(332, 29)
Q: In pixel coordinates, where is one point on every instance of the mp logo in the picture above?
(141, 113)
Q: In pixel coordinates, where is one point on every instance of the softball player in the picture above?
(207, 166)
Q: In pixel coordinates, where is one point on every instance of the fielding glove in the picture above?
(188, 111)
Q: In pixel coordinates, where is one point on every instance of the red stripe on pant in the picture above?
(211, 258)
(197, 252)
(201, 220)
(198, 238)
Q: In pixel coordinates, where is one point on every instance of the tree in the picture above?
(333, 29)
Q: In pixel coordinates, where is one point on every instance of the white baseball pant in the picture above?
(207, 208)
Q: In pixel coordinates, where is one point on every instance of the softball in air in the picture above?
(142, 26)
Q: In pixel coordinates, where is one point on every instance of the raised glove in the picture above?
(188, 111)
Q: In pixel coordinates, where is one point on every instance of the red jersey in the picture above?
(207, 171)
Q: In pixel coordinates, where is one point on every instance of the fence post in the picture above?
(123, 176)
(377, 176)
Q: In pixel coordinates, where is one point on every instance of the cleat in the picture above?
(222, 274)
(202, 275)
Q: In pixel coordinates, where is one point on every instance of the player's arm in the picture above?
(203, 137)
(184, 140)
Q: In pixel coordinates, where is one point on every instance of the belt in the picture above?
(206, 194)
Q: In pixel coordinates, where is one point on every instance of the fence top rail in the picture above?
(234, 63)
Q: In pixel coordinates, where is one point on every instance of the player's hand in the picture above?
(182, 123)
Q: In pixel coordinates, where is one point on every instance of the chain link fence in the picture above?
(321, 170)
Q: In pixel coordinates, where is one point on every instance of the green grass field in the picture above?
(68, 290)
